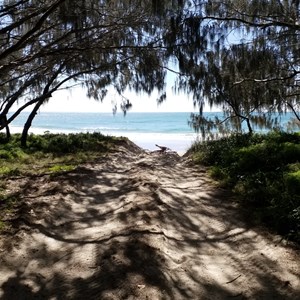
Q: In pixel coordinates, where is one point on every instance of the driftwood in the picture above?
(163, 149)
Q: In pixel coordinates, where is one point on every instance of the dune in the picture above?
(139, 225)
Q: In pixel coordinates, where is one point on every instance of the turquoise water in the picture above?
(104, 122)
(145, 129)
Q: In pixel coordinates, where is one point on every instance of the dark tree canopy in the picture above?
(46, 46)
(241, 56)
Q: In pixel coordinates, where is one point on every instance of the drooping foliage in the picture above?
(46, 46)
(243, 57)
(240, 56)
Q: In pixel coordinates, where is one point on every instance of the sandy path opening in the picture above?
(139, 225)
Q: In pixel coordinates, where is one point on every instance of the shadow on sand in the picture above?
(137, 227)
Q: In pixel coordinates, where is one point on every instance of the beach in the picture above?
(138, 225)
(144, 129)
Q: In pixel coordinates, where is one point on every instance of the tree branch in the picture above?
(265, 80)
(37, 26)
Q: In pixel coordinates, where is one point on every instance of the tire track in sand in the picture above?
(139, 225)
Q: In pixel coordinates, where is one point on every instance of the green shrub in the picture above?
(250, 158)
(5, 154)
(292, 181)
(216, 151)
(263, 171)
(217, 173)
(7, 171)
(70, 143)
(290, 152)
(49, 148)
(294, 167)
(37, 142)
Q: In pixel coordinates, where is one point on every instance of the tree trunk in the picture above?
(249, 126)
(294, 111)
(28, 123)
(8, 135)
(3, 122)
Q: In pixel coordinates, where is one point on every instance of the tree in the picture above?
(60, 43)
(243, 56)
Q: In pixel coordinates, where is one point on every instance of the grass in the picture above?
(263, 171)
(47, 154)
(62, 168)
(52, 152)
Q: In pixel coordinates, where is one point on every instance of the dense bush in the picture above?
(264, 171)
(69, 143)
(56, 143)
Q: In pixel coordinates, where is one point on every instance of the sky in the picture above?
(75, 100)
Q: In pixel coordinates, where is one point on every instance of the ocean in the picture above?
(144, 129)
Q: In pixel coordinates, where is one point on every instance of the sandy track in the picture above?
(139, 226)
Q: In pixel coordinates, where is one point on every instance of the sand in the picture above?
(138, 225)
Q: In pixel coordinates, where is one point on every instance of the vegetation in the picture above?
(263, 171)
(50, 154)
(242, 57)
(55, 45)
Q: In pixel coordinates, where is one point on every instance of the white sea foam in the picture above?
(40, 130)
